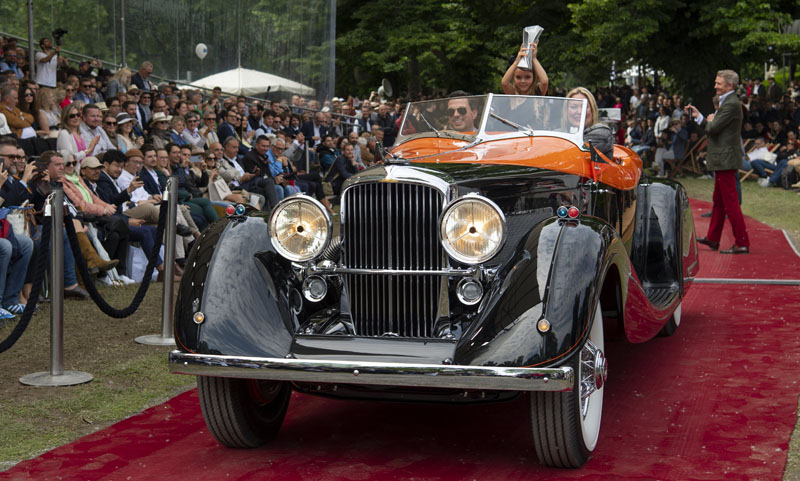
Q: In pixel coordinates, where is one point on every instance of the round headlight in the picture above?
(299, 228)
(473, 229)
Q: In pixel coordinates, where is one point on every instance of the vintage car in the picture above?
(482, 260)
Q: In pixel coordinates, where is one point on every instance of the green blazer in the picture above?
(724, 150)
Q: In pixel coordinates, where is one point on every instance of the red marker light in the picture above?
(230, 210)
(573, 212)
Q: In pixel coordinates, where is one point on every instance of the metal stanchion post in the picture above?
(57, 376)
(166, 337)
(308, 158)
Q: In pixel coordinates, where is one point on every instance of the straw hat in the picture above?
(160, 117)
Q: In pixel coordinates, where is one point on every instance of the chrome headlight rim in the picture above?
(472, 196)
(273, 217)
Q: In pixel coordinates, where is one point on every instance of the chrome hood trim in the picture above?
(408, 174)
(445, 376)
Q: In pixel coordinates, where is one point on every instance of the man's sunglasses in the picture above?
(13, 157)
(461, 111)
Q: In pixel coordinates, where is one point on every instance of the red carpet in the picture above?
(716, 401)
(770, 256)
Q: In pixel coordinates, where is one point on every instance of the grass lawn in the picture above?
(129, 377)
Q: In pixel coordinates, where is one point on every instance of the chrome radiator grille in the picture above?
(392, 226)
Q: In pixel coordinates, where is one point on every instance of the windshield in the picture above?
(495, 116)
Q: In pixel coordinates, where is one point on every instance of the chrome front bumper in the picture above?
(374, 373)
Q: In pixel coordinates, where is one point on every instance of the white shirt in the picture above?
(46, 71)
(89, 134)
(760, 153)
(138, 195)
(236, 166)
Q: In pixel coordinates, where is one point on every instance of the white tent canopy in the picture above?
(243, 81)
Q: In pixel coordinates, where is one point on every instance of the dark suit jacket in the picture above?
(308, 130)
(151, 186)
(724, 136)
(340, 171)
(253, 160)
(107, 191)
(224, 131)
(14, 193)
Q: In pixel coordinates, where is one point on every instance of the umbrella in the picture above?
(243, 81)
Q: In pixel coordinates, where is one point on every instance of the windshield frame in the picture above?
(483, 136)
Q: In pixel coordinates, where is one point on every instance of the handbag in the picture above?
(220, 188)
(23, 221)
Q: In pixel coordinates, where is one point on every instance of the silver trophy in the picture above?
(529, 35)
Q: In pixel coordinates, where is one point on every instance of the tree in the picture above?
(689, 41)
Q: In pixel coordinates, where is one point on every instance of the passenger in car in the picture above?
(594, 132)
(461, 114)
(525, 82)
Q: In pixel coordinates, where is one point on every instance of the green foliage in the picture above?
(466, 43)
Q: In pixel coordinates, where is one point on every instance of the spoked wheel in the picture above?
(672, 325)
(566, 425)
(243, 413)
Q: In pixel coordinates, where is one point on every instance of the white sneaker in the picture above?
(126, 280)
(763, 182)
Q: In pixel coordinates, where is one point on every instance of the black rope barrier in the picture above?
(83, 268)
(38, 279)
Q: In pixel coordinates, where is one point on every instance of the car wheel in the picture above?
(243, 413)
(672, 325)
(566, 425)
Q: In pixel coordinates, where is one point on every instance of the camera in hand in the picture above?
(58, 35)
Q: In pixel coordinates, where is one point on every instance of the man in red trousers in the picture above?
(724, 158)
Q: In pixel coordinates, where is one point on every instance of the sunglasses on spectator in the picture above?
(110, 123)
(13, 157)
(86, 86)
(28, 94)
(70, 90)
(460, 110)
(210, 118)
(70, 163)
(212, 157)
(72, 116)
(192, 120)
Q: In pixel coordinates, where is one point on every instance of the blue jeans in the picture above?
(70, 279)
(146, 237)
(12, 273)
(759, 166)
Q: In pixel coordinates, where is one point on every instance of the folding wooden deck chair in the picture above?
(745, 174)
(689, 161)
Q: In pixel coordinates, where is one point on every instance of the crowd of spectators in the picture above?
(113, 139)
(657, 127)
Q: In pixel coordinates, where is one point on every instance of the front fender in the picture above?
(235, 278)
(556, 274)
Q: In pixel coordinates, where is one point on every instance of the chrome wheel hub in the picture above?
(594, 371)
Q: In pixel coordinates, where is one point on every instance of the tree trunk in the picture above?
(414, 86)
